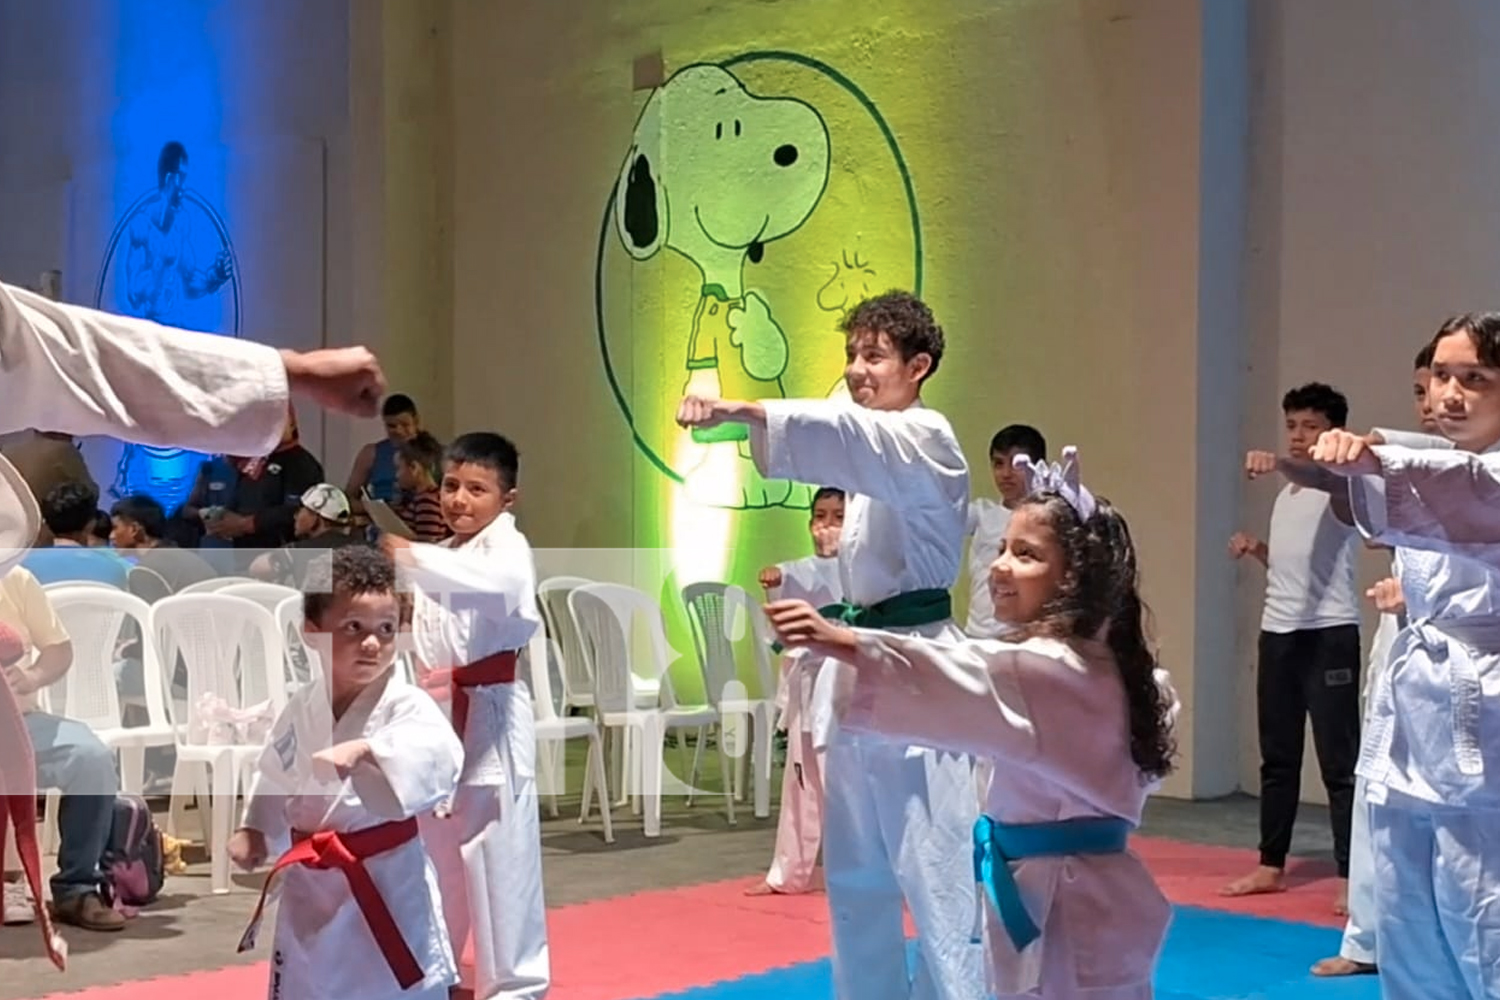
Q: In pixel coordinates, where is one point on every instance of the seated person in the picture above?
(321, 524)
(419, 462)
(68, 511)
(69, 757)
(375, 465)
(138, 524)
(260, 511)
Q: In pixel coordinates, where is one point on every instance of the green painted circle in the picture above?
(864, 102)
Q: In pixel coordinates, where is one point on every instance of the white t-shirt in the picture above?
(987, 523)
(1310, 576)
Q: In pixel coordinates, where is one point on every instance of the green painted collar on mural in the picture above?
(717, 291)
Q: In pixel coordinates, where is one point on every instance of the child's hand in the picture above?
(247, 849)
(700, 411)
(1346, 454)
(798, 623)
(12, 646)
(1259, 463)
(770, 578)
(826, 539)
(392, 544)
(343, 757)
(1241, 544)
(1387, 597)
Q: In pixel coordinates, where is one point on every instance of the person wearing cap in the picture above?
(321, 524)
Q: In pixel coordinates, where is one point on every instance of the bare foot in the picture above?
(1263, 880)
(1341, 899)
(762, 889)
(1340, 966)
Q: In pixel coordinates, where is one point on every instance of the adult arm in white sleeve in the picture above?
(80, 371)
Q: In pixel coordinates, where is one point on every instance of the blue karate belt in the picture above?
(911, 609)
(997, 844)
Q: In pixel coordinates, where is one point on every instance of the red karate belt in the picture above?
(347, 852)
(18, 808)
(497, 668)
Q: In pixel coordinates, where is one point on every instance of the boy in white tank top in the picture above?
(1310, 655)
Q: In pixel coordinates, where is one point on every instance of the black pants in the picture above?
(1312, 672)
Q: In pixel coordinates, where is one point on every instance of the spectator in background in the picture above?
(69, 757)
(99, 531)
(266, 495)
(375, 465)
(139, 525)
(419, 464)
(322, 523)
(68, 511)
(46, 461)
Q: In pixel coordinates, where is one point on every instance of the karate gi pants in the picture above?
(799, 825)
(488, 856)
(900, 826)
(1437, 875)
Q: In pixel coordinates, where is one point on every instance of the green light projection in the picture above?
(784, 198)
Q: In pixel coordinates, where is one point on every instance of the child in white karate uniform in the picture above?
(806, 702)
(897, 816)
(1430, 762)
(349, 764)
(988, 518)
(1071, 720)
(1357, 953)
(475, 607)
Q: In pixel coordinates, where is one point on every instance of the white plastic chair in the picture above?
(605, 614)
(267, 595)
(233, 652)
(94, 618)
(215, 585)
(147, 584)
(718, 620)
(552, 601)
(65, 584)
(553, 732)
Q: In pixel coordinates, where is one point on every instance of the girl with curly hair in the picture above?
(1071, 719)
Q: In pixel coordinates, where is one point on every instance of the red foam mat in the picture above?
(675, 939)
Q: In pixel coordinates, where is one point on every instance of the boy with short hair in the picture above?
(899, 819)
(375, 465)
(418, 464)
(68, 511)
(349, 764)
(806, 702)
(475, 609)
(1309, 645)
(987, 520)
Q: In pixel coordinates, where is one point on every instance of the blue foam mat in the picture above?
(1210, 955)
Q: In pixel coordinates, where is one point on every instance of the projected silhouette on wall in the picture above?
(169, 252)
(757, 173)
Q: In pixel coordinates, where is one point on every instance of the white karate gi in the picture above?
(807, 715)
(1430, 760)
(78, 371)
(324, 948)
(1359, 930)
(987, 523)
(471, 602)
(1049, 723)
(898, 819)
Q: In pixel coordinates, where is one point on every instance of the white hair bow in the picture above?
(1060, 478)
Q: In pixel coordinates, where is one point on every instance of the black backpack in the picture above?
(134, 862)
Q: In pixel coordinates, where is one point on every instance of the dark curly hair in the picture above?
(69, 508)
(1319, 398)
(904, 318)
(347, 571)
(1100, 592)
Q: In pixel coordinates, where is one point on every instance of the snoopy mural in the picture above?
(716, 174)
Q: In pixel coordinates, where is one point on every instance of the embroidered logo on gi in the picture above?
(286, 748)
